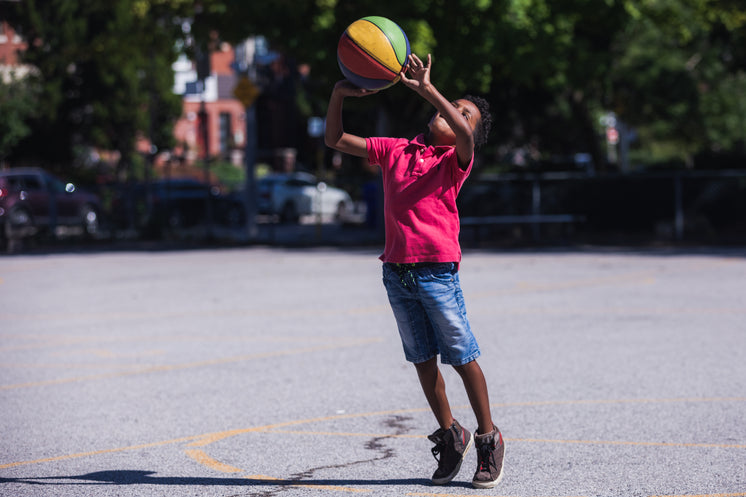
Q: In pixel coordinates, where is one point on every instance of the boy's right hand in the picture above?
(347, 89)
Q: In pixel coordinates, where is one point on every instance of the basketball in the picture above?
(372, 52)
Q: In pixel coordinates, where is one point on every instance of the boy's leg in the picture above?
(451, 440)
(476, 388)
(435, 391)
(489, 440)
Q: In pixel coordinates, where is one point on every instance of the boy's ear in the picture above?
(478, 132)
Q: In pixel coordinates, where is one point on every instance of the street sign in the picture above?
(246, 91)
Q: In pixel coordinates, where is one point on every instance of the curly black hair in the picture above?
(482, 132)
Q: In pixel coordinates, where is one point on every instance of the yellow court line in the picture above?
(538, 403)
(528, 287)
(209, 438)
(607, 311)
(333, 488)
(527, 440)
(201, 457)
(98, 452)
(51, 343)
(429, 494)
(704, 495)
(189, 365)
(639, 277)
(639, 444)
(120, 316)
(342, 434)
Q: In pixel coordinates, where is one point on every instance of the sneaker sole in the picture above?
(493, 483)
(447, 479)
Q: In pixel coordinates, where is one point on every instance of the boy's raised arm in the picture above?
(334, 135)
(420, 82)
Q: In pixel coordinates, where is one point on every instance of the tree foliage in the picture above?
(105, 74)
(17, 106)
(673, 70)
(679, 75)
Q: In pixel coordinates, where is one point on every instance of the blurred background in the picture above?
(615, 121)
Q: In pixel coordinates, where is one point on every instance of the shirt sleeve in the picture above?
(376, 150)
(459, 175)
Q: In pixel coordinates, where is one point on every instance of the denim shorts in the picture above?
(429, 309)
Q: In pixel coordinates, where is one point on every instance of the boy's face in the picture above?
(442, 134)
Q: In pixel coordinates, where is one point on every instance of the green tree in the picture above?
(536, 55)
(679, 78)
(674, 69)
(17, 98)
(105, 75)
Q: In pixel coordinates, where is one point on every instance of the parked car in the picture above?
(33, 201)
(174, 204)
(293, 195)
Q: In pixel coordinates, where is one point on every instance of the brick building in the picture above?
(10, 44)
(213, 103)
(224, 114)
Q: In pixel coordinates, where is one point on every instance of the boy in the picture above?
(421, 179)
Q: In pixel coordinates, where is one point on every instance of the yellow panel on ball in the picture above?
(371, 39)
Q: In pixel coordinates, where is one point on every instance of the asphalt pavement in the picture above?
(277, 371)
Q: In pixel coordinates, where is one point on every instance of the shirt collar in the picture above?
(419, 141)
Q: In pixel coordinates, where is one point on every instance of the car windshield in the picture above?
(56, 185)
(297, 182)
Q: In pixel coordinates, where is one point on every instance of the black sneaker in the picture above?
(451, 445)
(490, 456)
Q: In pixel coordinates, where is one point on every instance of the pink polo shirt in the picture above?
(420, 186)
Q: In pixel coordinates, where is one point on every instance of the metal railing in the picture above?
(532, 210)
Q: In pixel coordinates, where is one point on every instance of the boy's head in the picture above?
(477, 111)
(482, 130)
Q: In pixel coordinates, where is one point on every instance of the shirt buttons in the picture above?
(422, 160)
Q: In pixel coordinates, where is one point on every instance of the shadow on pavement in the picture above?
(135, 477)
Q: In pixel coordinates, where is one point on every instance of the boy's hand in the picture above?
(346, 89)
(419, 71)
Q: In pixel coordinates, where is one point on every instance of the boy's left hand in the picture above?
(347, 89)
(419, 71)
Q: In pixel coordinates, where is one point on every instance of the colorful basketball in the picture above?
(372, 52)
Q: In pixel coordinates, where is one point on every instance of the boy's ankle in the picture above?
(482, 431)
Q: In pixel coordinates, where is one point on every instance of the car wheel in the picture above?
(289, 213)
(90, 220)
(341, 213)
(4, 239)
(235, 216)
(19, 224)
(176, 219)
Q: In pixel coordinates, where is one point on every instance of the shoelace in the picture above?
(437, 450)
(486, 457)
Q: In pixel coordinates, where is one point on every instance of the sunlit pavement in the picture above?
(270, 370)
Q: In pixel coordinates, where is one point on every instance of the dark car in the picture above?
(34, 201)
(173, 205)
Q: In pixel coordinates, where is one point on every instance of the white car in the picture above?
(293, 195)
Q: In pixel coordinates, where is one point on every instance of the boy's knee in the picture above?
(465, 368)
(427, 365)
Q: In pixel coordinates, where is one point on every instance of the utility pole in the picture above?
(203, 72)
(247, 92)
